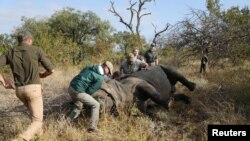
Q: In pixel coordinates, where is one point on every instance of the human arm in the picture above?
(205, 59)
(122, 74)
(146, 56)
(46, 64)
(6, 84)
(156, 58)
(141, 58)
(156, 61)
(95, 86)
(2, 80)
(143, 65)
(46, 73)
(3, 62)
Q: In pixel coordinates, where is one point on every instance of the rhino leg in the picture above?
(182, 97)
(174, 76)
(140, 103)
(146, 91)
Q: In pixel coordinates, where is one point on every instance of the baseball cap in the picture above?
(109, 65)
(152, 45)
(22, 35)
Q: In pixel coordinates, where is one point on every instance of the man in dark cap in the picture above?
(24, 62)
(151, 55)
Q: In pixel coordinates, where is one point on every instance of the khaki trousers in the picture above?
(31, 96)
(81, 99)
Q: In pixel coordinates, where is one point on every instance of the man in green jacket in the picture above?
(88, 81)
(24, 61)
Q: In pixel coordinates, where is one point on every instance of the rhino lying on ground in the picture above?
(156, 83)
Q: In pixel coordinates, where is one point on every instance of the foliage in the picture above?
(85, 29)
(237, 30)
(213, 7)
(79, 26)
(126, 41)
(225, 34)
(59, 49)
(71, 36)
(6, 42)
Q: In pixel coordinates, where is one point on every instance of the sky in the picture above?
(162, 11)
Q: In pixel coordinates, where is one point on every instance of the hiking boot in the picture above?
(73, 114)
(92, 129)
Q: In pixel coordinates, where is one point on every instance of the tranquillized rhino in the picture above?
(156, 83)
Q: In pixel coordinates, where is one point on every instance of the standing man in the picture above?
(24, 62)
(204, 61)
(137, 55)
(88, 81)
(151, 55)
(203, 65)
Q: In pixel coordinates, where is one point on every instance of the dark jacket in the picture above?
(24, 62)
(204, 60)
(89, 80)
(150, 56)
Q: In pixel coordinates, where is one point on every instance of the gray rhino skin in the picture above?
(156, 84)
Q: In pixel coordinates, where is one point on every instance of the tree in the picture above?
(224, 34)
(83, 28)
(213, 7)
(61, 50)
(70, 35)
(127, 41)
(6, 42)
(237, 32)
(136, 14)
(79, 26)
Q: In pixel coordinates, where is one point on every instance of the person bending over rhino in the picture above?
(82, 86)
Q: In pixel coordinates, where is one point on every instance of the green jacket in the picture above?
(89, 80)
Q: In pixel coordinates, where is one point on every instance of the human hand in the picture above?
(8, 86)
(42, 75)
(46, 73)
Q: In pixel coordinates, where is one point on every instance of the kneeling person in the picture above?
(88, 81)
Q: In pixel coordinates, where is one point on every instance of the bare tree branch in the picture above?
(131, 12)
(136, 11)
(139, 15)
(128, 25)
(159, 32)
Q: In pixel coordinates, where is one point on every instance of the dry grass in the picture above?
(222, 97)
